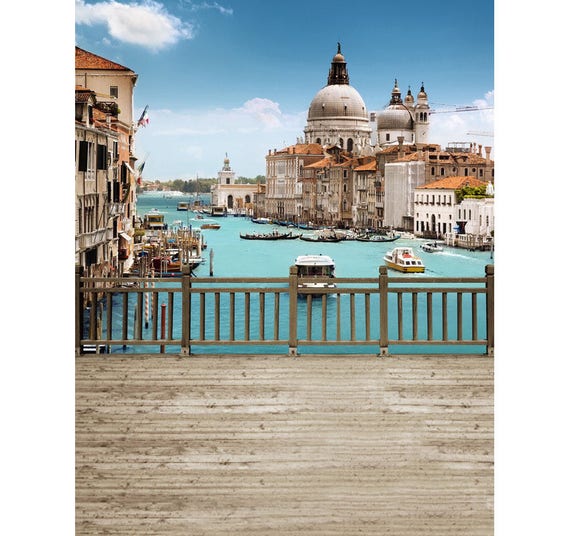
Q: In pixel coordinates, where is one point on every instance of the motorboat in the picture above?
(154, 220)
(405, 260)
(210, 226)
(315, 267)
(432, 247)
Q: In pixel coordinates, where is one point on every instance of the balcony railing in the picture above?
(187, 314)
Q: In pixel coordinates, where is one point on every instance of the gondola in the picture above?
(269, 236)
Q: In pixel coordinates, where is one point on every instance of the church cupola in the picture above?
(396, 94)
(338, 73)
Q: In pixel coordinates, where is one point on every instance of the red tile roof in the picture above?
(453, 183)
(88, 60)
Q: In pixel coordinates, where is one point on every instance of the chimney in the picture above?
(487, 155)
(479, 150)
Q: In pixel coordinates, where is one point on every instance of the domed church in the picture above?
(337, 114)
(404, 118)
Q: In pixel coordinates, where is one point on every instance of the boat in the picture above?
(322, 236)
(154, 220)
(405, 260)
(432, 247)
(210, 226)
(274, 235)
(315, 266)
(261, 220)
(377, 238)
(183, 205)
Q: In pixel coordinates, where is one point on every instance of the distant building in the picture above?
(437, 212)
(233, 197)
(284, 185)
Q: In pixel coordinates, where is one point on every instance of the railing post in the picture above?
(78, 309)
(490, 287)
(383, 287)
(185, 336)
(293, 289)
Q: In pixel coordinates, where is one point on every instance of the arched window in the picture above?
(318, 141)
(248, 198)
(442, 172)
(349, 144)
(341, 142)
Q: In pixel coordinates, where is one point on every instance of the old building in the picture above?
(437, 210)
(105, 161)
(232, 196)
(284, 185)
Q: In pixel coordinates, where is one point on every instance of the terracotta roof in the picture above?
(88, 60)
(302, 148)
(325, 162)
(453, 183)
(369, 166)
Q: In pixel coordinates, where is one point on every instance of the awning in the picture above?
(126, 237)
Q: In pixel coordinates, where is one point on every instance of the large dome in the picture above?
(337, 101)
(395, 117)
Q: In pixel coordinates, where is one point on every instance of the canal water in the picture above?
(233, 256)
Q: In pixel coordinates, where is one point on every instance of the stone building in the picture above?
(436, 208)
(105, 181)
(234, 198)
(284, 186)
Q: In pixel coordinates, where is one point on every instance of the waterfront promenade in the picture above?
(271, 445)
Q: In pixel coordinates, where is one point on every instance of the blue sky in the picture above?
(237, 76)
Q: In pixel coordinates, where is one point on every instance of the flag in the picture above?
(144, 120)
(139, 174)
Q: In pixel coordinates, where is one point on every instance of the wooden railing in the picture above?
(183, 314)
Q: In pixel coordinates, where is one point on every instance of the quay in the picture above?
(279, 445)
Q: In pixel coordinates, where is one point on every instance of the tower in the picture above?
(422, 117)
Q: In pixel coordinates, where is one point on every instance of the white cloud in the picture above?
(214, 5)
(145, 23)
(183, 143)
(473, 126)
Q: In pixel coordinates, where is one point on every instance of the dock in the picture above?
(274, 445)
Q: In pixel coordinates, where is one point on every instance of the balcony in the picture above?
(379, 204)
(91, 240)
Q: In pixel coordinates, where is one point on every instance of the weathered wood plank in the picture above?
(278, 445)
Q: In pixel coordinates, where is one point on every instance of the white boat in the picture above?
(432, 247)
(404, 259)
(315, 266)
(154, 220)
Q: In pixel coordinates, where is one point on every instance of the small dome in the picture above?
(422, 94)
(409, 97)
(339, 58)
(395, 117)
(337, 101)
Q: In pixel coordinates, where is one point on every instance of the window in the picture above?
(442, 171)
(387, 137)
(349, 144)
(114, 92)
(433, 171)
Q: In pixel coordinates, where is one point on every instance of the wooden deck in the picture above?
(275, 445)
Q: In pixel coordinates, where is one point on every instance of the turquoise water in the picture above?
(236, 257)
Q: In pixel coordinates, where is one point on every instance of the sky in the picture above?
(238, 76)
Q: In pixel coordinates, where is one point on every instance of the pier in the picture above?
(272, 445)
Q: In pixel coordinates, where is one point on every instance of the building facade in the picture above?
(234, 198)
(437, 211)
(105, 181)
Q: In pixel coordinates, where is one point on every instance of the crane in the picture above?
(475, 133)
(462, 109)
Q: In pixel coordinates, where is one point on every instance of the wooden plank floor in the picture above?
(271, 445)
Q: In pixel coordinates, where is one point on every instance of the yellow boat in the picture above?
(405, 260)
